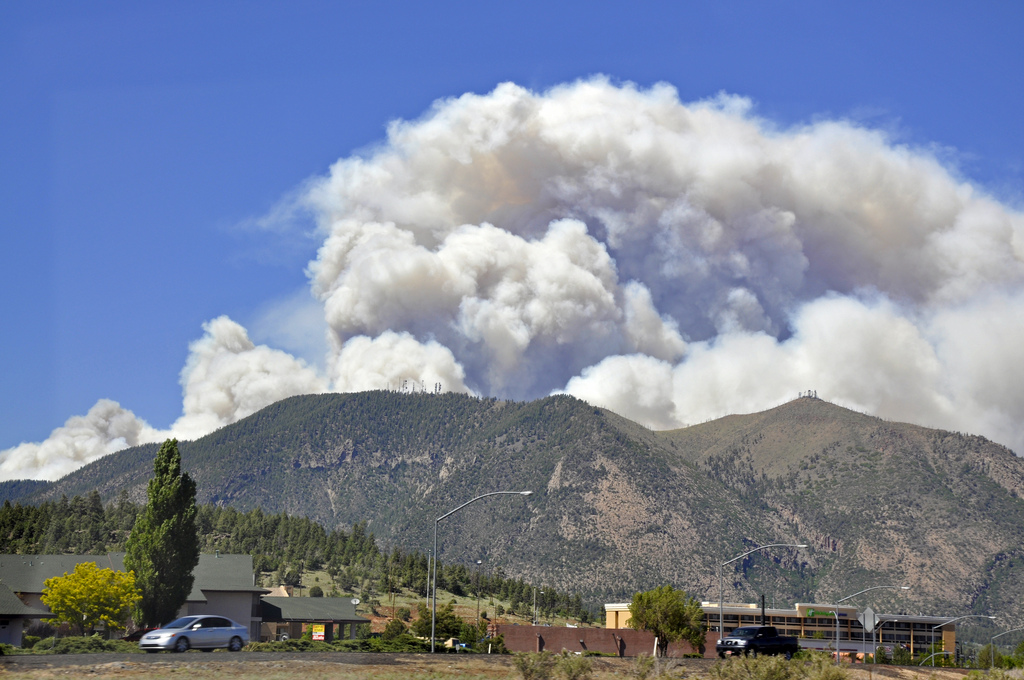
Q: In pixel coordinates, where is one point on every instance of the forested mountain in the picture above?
(617, 507)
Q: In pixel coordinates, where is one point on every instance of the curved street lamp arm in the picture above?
(872, 588)
(493, 493)
(969, 616)
(1007, 631)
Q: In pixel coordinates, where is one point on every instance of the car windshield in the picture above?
(745, 633)
(182, 623)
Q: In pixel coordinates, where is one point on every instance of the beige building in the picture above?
(815, 626)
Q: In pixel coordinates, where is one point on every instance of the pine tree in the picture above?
(163, 547)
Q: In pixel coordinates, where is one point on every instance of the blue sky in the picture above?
(139, 141)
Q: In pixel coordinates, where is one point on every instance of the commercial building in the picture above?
(815, 626)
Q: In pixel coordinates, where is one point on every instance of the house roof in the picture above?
(26, 573)
(337, 609)
(216, 572)
(11, 606)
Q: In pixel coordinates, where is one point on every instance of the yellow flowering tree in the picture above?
(91, 595)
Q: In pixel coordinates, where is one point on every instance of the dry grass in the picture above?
(419, 667)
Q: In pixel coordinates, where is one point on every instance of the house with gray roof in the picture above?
(224, 584)
(13, 615)
(287, 616)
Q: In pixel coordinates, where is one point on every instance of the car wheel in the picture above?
(789, 655)
(753, 653)
(721, 655)
(181, 645)
(235, 645)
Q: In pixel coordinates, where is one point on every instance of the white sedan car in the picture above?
(196, 632)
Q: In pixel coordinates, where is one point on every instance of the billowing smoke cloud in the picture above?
(672, 262)
(82, 439)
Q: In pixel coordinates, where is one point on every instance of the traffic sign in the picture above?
(868, 619)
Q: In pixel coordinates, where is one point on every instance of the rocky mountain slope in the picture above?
(617, 507)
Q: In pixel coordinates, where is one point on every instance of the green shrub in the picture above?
(91, 644)
(534, 665)
(394, 628)
(574, 667)
(404, 613)
(29, 641)
(299, 645)
(400, 643)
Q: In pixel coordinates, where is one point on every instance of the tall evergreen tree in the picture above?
(163, 547)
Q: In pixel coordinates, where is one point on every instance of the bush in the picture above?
(29, 641)
(404, 613)
(818, 666)
(394, 628)
(574, 667)
(643, 666)
(299, 645)
(92, 644)
(402, 643)
(496, 644)
(901, 656)
(534, 665)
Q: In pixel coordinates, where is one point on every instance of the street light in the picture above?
(721, 603)
(850, 597)
(946, 623)
(433, 613)
(992, 646)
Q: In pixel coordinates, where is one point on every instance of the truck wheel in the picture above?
(721, 655)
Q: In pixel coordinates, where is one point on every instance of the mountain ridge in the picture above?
(618, 507)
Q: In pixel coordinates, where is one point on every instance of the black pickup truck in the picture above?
(754, 640)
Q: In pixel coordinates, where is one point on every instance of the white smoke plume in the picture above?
(673, 262)
(82, 439)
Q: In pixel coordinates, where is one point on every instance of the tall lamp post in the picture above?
(433, 613)
(850, 597)
(721, 596)
(946, 623)
(992, 646)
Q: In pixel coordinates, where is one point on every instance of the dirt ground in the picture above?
(360, 667)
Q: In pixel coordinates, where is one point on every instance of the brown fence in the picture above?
(620, 641)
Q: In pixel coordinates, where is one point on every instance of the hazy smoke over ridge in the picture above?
(673, 262)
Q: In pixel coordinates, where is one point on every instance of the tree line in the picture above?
(283, 547)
